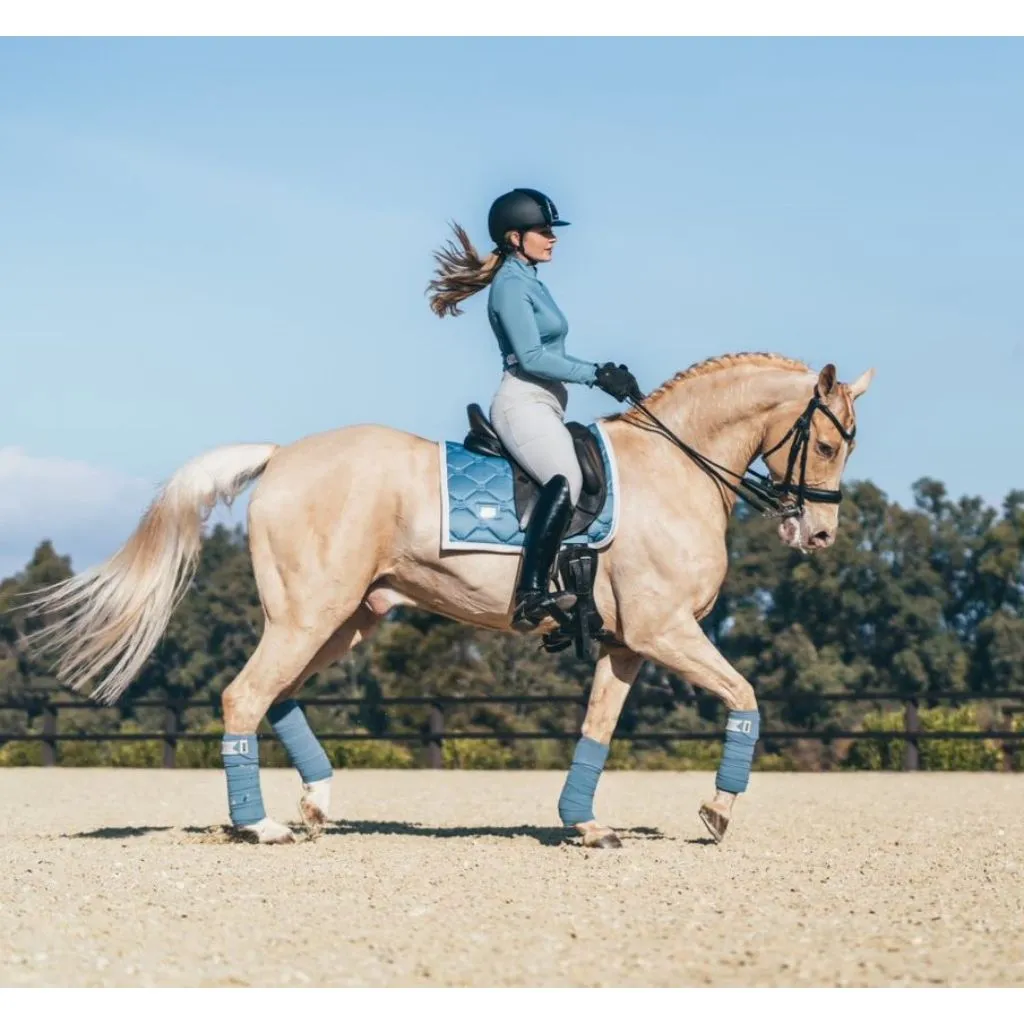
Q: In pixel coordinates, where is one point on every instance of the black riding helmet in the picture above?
(520, 210)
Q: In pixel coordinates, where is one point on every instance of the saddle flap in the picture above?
(589, 455)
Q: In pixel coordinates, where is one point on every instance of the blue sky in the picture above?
(209, 241)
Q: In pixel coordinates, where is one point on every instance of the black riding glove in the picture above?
(618, 382)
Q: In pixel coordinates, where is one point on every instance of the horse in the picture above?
(344, 526)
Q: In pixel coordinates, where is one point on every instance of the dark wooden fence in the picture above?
(433, 734)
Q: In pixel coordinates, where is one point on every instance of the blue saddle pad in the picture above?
(478, 503)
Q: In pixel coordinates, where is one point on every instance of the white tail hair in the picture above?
(112, 616)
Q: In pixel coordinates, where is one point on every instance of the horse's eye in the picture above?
(826, 451)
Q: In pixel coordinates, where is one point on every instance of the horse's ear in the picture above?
(862, 383)
(827, 380)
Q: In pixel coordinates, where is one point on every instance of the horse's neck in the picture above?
(725, 415)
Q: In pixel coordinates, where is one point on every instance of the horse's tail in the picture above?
(112, 616)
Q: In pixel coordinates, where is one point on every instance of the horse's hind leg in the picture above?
(293, 730)
(282, 653)
(312, 578)
(615, 672)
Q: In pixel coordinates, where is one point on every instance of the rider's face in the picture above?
(538, 244)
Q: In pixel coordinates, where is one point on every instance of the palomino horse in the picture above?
(344, 526)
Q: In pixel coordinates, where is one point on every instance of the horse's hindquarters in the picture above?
(354, 515)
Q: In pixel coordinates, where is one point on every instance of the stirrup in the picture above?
(533, 607)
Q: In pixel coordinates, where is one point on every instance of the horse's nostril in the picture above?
(821, 538)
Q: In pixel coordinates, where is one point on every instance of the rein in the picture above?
(758, 489)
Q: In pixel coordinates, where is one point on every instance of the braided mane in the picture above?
(715, 365)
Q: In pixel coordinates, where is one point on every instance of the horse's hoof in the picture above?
(265, 832)
(276, 834)
(312, 816)
(602, 839)
(714, 820)
(313, 805)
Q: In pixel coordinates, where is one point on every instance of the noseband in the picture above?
(759, 490)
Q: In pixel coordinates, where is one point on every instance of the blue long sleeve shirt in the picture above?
(530, 327)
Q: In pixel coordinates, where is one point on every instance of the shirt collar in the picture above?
(516, 265)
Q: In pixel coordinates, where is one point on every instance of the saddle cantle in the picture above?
(483, 440)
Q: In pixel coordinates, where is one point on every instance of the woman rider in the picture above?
(528, 410)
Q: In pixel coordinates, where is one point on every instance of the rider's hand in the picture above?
(618, 382)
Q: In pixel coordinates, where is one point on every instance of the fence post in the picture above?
(1007, 743)
(49, 736)
(912, 726)
(435, 736)
(172, 726)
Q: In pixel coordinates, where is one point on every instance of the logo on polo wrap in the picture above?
(234, 747)
(745, 726)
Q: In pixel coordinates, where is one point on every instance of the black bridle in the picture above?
(758, 489)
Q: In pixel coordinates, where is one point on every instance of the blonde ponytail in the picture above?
(462, 274)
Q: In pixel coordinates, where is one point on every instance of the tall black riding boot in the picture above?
(544, 532)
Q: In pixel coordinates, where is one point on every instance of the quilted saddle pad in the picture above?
(478, 502)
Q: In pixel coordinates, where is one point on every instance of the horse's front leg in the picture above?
(682, 647)
(616, 670)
